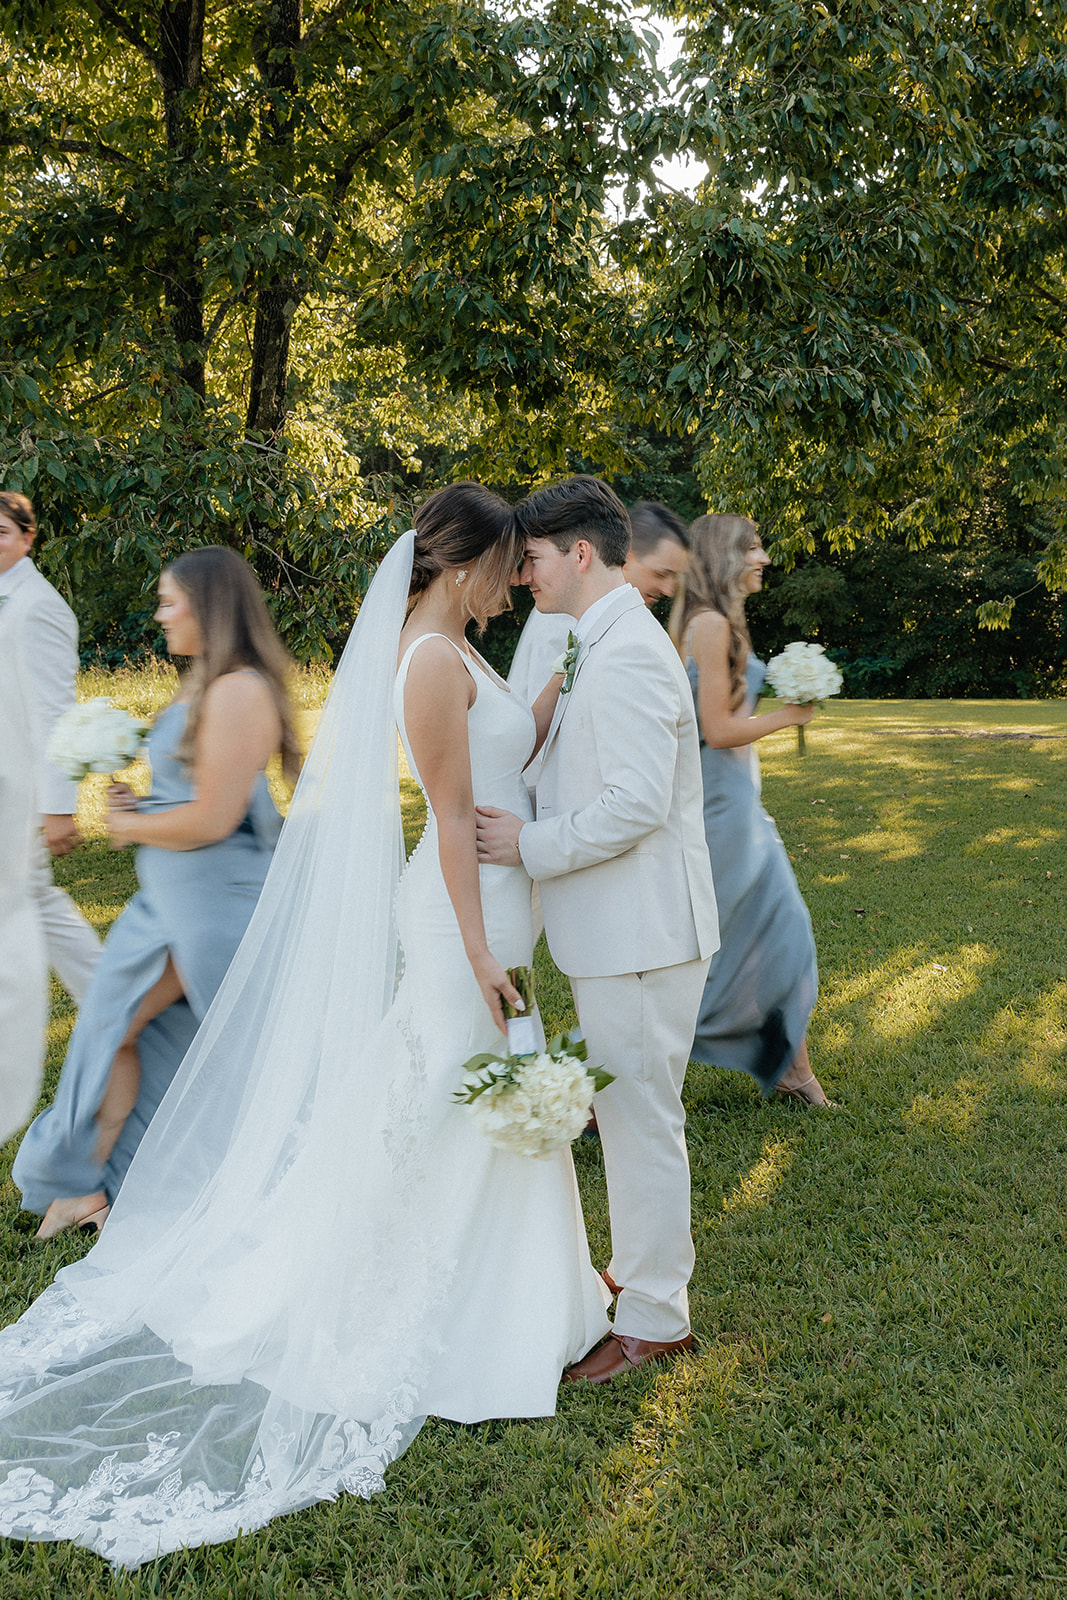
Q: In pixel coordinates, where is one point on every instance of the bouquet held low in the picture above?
(532, 1102)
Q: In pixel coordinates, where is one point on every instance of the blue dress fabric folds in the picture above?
(192, 904)
(763, 980)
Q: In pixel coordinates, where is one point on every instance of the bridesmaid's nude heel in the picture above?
(52, 1226)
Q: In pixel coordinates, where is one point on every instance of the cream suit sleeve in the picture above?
(634, 733)
(50, 631)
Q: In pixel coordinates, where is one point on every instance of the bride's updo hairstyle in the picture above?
(235, 631)
(715, 581)
(465, 527)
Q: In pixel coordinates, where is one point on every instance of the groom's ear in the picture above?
(586, 553)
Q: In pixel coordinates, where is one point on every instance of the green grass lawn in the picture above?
(878, 1403)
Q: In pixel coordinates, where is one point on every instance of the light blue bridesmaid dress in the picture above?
(763, 979)
(192, 904)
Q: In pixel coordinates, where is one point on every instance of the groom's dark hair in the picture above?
(578, 508)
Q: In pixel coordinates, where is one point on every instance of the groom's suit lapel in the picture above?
(604, 623)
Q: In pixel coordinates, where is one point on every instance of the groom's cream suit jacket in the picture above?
(618, 845)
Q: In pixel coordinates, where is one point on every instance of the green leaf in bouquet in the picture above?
(601, 1079)
(568, 1044)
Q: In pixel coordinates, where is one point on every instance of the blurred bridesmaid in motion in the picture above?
(204, 838)
(763, 980)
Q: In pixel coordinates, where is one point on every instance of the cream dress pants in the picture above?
(72, 945)
(640, 1027)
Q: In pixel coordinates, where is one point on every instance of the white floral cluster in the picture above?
(539, 1107)
(802, 674)
(94, 736)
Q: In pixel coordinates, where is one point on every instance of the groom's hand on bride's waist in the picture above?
(498, 837)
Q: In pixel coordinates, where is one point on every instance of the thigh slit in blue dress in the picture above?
(193, 905)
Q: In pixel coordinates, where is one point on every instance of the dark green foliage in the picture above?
(904, 622)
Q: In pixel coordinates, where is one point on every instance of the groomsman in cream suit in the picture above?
(619, 853)
(39, 641)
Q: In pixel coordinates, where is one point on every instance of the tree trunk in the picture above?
(278, 298)
(180, 60)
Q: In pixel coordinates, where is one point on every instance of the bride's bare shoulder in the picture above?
(435, 672)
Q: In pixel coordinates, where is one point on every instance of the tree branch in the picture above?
(218, 319)
(102, 394)
(1053, 299)
(342, 181)
(123, 26)
(76, 147)
(313, 34)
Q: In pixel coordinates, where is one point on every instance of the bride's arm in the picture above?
(438, 693)
(720, 727)
(544, 709)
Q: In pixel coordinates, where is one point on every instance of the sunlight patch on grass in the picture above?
(907, 990)
(1021, 838)
(957, 1111)
(759, 1184)
(1034, 1039)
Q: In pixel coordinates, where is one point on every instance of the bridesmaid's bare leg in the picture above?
(120, 1097)
(801, 1082)
(124, 1083)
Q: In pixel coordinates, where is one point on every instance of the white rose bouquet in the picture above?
(95, 736)
(532, 1102)
(803, 674)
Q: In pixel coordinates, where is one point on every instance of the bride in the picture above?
(315, 1248)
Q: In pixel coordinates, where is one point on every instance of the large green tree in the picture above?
(862, 316)
(223, 225)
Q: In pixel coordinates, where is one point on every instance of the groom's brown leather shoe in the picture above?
(621, 1353)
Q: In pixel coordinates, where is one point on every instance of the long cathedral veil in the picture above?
(217, 1359)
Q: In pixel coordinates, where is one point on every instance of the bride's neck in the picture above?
(440, 609)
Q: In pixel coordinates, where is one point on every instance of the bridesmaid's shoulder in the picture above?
(709, 631)
(241, 691)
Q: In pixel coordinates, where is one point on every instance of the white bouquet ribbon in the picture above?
(94, 736)
(801, 675)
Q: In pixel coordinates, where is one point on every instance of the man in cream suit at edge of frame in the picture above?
(619, 853)
(40, 651)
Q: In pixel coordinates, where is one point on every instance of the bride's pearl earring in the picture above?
(461, 575)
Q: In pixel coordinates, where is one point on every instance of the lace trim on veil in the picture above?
(135, 1502)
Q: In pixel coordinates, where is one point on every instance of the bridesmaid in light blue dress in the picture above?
(763, 980)
(204, 838)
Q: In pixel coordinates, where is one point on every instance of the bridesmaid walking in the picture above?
(763, 980)
(204, 838)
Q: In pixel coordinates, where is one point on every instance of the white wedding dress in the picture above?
(314, 1248)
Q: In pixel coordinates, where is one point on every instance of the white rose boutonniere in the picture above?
(567, 662)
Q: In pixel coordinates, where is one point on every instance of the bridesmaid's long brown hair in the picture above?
(714, 581)
(235, 631)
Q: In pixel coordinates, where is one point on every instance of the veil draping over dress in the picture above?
(221, 1355)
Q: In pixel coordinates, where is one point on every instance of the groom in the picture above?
(619, 852)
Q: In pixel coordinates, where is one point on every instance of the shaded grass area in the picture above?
(877, 1406)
